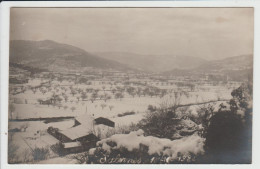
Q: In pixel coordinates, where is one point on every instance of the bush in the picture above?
(159, 123)
(229, 134)
(224, 133)
(40, 154)
(12, 157)
(151, 108)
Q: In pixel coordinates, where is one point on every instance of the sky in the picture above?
(209, 33)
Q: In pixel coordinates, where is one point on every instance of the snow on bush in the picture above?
(156, 146)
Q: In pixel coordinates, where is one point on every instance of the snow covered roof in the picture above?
(71, 144)
(105, 121)
(85, 119)
(77, 132)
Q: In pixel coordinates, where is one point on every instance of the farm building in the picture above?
(46, 102)
(89, 120)
(104, 121)
(85, 119)
(79, 133)
(82, 135)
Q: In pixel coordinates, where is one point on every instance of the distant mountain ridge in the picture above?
(51, 55)
(154, 63)
(55, 56)
(237, 67)
(230, 63)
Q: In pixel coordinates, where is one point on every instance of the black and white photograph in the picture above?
(130, 85)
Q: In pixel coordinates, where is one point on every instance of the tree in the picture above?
(11, 110)
(72, 109)
(65, 98)
(83, 96)
(139, 91)
(59, 106)
(146, 91)
(94, 96)
(106, 97)
(119, 95)
(96, 91)
(229, 133)
(205, 112)
(78, 97)
(191, 86)
(34, 90)
(73, 92)
(151, 108)
(183, 110)
(103, 106)
(111, 107)
(224, 139)
(131, 91)
(113, 90)
(163, 93)
(158, 123)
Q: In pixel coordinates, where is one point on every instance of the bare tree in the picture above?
(111, 107)
(106, 97)
(78, 97)
(83, 96)
(72, 109)
(103, 106)
(119, 95)
(94, 96)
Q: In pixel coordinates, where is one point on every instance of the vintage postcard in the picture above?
(130, 85)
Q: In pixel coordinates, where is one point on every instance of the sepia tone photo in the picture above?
(130, 85)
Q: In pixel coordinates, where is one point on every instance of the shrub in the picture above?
(40, 153)
(159, 123)
(224, 137)
(151, 108)
(12, 157)
(229, 134)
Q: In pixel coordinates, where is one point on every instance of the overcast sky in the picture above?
(209, 33)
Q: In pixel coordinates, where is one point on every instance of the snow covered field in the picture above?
(33, 133)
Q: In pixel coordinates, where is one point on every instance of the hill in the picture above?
(55, 56)
(154, 63)
(236, 67)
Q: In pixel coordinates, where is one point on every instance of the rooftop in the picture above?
(77, 132)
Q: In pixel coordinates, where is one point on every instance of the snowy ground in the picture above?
(37, 136)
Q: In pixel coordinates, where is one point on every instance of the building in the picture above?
(18, 80)
(79, 133)
(104, 121)
(83, 135)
